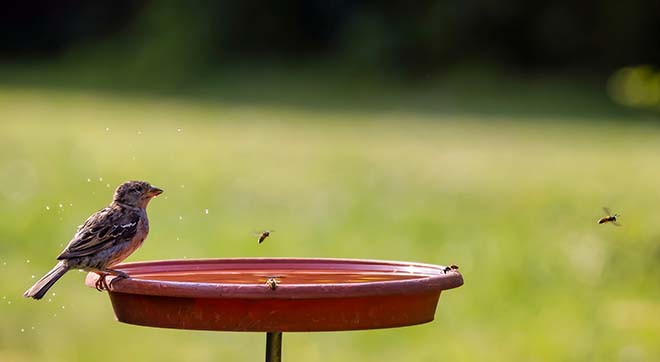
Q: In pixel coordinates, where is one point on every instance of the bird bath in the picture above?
(276, 295)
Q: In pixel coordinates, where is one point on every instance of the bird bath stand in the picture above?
(276, 295)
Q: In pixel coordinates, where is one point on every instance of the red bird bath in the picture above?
(276, 295)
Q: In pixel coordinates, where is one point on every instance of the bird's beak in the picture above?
(154, 191)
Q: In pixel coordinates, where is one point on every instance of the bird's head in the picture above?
(136, 193)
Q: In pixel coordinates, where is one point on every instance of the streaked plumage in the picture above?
(106, 238)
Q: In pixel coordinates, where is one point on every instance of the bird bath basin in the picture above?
(277, 295)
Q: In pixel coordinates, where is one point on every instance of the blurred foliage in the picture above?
(409, 39)
(636, 87)
(458, 49)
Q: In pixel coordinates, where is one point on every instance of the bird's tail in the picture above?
(39, 289)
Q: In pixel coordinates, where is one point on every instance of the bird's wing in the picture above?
(104, 229)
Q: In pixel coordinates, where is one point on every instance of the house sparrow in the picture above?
(107, 237)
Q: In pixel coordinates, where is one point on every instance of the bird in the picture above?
(105, 239)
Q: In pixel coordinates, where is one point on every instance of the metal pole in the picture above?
(274, 347)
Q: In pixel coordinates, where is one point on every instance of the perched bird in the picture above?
(107, 237)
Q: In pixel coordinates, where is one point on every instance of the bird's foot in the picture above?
(119, 275)
(101, 283)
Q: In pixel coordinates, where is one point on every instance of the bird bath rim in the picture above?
(252, 305)
(412, 277)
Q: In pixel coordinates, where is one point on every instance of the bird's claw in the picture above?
(120, 275)
(102, 284)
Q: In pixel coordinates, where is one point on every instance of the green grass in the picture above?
(513, 201)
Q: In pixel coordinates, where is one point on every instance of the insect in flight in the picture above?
(611, 218)
(263, 235)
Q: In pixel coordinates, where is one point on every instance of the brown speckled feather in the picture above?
(106, 228)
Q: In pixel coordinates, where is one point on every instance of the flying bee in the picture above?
(609, 217)
(263, 235)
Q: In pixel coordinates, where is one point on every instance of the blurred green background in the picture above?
(486, 134)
